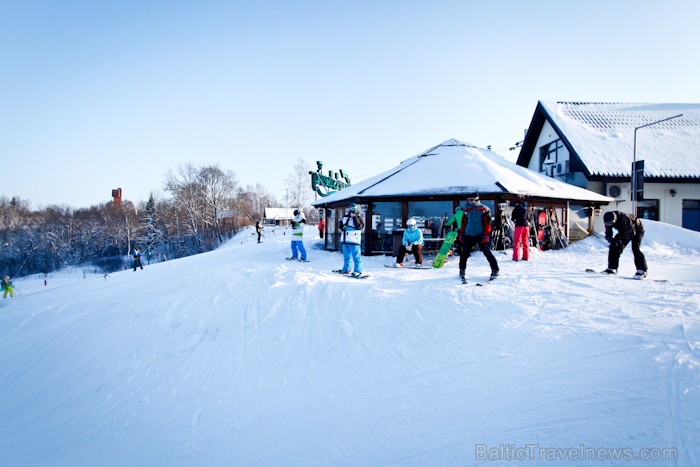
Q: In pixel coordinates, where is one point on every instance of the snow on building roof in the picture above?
(279, 213)
(602, 135)
(458, 168)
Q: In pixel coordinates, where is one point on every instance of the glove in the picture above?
(485, 239)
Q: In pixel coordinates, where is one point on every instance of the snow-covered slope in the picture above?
(237, 357)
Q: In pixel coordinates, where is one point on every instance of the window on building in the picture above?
(691, 214)
(386, 217)
(648, 209)
(554, 159)
(427, 212)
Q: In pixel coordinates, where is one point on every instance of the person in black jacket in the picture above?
(521, 219)
(629, 229)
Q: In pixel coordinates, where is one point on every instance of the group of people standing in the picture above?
(473, 224)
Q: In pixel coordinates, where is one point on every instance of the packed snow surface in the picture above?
(238, 357)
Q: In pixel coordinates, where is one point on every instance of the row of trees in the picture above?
(205, 207)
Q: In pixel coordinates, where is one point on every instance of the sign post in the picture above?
(635, 167)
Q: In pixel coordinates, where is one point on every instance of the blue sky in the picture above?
(96, 95)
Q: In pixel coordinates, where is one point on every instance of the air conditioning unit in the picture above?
(559, 169)
(613, 191)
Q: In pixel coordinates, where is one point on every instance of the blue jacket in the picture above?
(412, 237)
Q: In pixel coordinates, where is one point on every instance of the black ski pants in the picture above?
(466, 247)
(617, 246)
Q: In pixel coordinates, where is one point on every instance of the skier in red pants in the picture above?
(521, 219)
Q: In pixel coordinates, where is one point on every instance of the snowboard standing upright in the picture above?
(444, 249)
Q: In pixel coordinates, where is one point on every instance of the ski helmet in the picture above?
(411, 223)
(609, 218)
(354, 208)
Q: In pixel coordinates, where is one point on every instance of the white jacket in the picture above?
(297, 227)
(352, 230)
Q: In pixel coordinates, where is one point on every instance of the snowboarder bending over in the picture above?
(297, 236)
(521, 219)
(137, 258)
(629, 228)
(476, 230)
(412, 242)
(7, 287)
(351, 225)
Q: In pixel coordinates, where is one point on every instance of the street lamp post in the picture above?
(634, 160)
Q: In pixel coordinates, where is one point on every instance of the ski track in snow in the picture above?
(239, 357)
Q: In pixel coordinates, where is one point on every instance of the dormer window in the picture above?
(554, 159)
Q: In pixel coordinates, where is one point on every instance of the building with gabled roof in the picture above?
(592, 145)
(278, 216)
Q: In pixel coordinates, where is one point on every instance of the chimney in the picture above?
(117, 195)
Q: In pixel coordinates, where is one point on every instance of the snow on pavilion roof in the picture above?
(458, 168)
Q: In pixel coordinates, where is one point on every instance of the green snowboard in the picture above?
(444, 249)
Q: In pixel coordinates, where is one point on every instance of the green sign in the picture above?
(327, 185)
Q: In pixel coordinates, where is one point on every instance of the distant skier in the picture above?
(258, 230)
(137, 258)
(351, 226)
(521, 218)
(411, 242)
(629, 229)
(297, 236)
(321, 227)
(7, 287)
(476, 230)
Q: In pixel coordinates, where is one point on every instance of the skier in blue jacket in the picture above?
(351, 238)
(412, 242)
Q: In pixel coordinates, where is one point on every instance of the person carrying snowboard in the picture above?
(7, 287)
(476, 230)
(411, 242)
(629, 229)
(521, 219)
(351, 226)
(137, 258)
(297, 236)
(456, 218)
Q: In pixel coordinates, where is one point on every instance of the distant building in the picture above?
(117, 196)
(279, 216)
(592, 145)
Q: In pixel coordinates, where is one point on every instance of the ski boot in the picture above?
(610, 271)
(494, 274)
(640, 274)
